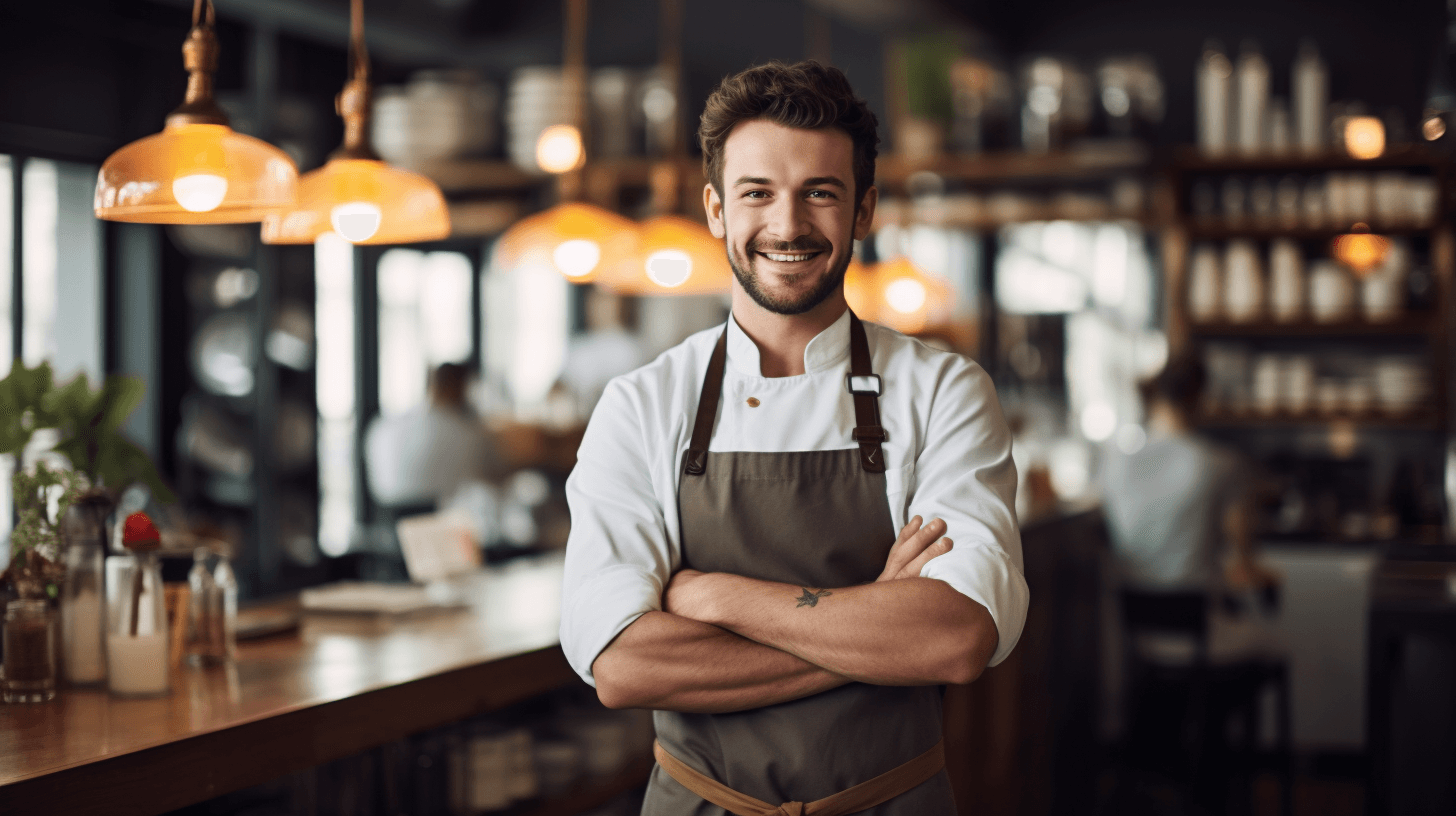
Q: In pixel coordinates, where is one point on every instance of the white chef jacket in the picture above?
(948, 456)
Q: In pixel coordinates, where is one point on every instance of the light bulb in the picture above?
(559, 149)
(577, 257)
(1364, 137)
(905, 295)
(669, 267)
(356, 221)
(199, 192)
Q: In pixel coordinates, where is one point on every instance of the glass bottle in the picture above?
(136, 643)
(83, 616)
(211, 610)
(30, 654)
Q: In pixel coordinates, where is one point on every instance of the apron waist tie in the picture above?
(861, 797)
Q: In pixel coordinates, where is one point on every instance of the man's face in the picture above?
(787, 213)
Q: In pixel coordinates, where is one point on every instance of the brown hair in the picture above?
(806, 95)
(1180, 383)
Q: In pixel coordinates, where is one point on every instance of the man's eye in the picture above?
(756, 194)
(821, 194)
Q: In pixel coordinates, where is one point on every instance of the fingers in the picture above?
(912, 569)
(914, 539)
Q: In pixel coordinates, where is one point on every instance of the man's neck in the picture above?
(781, 339)
(1166, 420)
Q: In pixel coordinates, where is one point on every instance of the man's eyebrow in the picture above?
(750, 180)
(831, 180)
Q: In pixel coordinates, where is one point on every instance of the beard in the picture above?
(749, 280)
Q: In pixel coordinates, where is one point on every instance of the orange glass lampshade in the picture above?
(197, 170)
(859, 290)
(365, 201)
(675, 256)
(578, 240)
(908, 300)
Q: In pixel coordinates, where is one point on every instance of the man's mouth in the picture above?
(789, 257)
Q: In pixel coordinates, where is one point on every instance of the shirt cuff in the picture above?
(987, 577)
(600, 608)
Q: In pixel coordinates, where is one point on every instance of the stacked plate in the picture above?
(438, 115)
(538, 98)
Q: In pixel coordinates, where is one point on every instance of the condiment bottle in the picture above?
(83, 617)
(30, 655)
(136, 644)
(212, 610)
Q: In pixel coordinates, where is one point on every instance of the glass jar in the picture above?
(30, 654)
(212, 610)
(83, 616)
(136, 641)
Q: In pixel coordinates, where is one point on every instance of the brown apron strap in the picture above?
(863, 383)
(861, 797)
(866, 386)
(697, 458)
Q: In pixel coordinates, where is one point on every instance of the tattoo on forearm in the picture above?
(812, 598)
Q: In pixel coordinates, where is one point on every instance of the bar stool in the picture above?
(1218, 692)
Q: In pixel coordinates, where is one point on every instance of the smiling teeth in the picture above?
(774, 256)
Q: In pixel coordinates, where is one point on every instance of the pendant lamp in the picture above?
(674, 256)
(355, 194)
(908, 300)
(574, 238)
(198, 170)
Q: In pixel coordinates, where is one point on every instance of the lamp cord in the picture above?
(358, 52)
(197, 13)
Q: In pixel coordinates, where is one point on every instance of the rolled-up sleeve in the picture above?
(964, 475)
(618, 557)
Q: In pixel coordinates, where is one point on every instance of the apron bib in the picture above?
(812, 519)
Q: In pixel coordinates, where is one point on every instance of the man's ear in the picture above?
(864, 215)
(713, 206)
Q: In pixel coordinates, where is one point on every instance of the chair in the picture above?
(1217, 692)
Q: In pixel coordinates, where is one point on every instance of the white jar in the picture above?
(1286, 281)
(1331, 292)
(1205, 284)
(1243, 284)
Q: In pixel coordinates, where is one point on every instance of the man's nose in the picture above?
(788, 220)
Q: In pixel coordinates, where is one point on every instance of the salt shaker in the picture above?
(136, 643)
(212, 610)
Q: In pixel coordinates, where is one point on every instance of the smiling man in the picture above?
(733, 561)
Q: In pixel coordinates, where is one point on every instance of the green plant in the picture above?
(88, 422)
(35, 543)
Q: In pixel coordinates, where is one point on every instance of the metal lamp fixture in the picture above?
(198, 170)
(355, 194)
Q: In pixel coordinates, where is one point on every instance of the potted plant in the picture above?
(87, 423)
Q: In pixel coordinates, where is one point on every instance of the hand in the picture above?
(916, 545)
(684, 596)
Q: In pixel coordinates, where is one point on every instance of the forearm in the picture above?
(915, 631)
(672, 663)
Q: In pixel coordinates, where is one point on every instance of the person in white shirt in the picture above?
(418, 458)
(733, 561)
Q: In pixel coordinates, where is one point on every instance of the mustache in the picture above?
(796, 245)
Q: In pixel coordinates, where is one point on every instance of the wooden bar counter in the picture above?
(290, 702)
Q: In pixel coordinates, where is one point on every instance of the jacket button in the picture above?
(753, 402)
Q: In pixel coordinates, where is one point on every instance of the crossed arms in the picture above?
(728, 643)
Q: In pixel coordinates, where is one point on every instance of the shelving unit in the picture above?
(1407, 446)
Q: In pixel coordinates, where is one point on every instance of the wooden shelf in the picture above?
(1407, 156)
(1415, 326)
(1213, 230)
(1018, 166)
(592, 794)
(1420, 421)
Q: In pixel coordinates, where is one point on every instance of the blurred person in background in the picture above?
(424, 456)
(606, 349)
(1179, 512)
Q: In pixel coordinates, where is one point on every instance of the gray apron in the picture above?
(811, 519)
